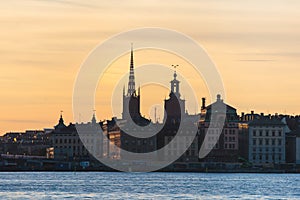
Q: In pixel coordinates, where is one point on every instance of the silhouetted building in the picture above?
(68, 144)
(243, 141)
(30, 142)
(127, 133)
(176, 117)
(131, 100)
(224, 143)
(293, 146)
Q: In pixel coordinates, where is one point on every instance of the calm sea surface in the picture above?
(107, 185)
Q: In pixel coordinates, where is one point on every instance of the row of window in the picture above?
(230, 131)
(266, 133)
(229, 146)
(70, 141)
(266, 149)
(266, 157)
(226, 146)
(267, 142)
(230, 139)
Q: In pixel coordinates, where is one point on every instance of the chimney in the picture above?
(218, 97)
(203, 103)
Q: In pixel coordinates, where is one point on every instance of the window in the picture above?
(267, 133)
(254, 141)
(279, 133)
(260, 133)
(217, 146)
(260, 141)
(279, 141)
(267, 141)
(273, 141)
(273, 133)
(254, 133)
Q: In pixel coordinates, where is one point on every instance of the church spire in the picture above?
(131, 83)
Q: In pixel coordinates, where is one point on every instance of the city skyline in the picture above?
(43, 48)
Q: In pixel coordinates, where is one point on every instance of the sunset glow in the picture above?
(255, 46)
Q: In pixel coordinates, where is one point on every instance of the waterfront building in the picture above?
(243, 141)
(131, 101)
(30, 142)
(223, 143)
(112, 141)
(68, 144)
(293, 147)
(266, 141)
(174, 114)
(133, 126)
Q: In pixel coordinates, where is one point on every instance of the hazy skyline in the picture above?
(254, 44)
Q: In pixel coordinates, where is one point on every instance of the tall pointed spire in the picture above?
(131, 83)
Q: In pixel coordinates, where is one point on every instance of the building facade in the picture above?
(70, 145)
(223, 143)
(176, 117)
(266, 141)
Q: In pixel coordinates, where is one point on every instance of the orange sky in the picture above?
(255, 45)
